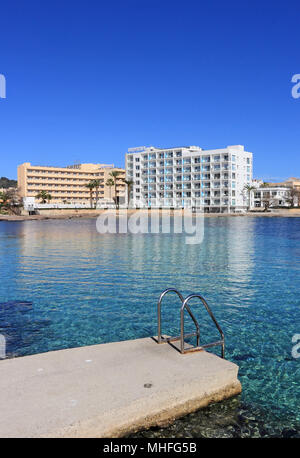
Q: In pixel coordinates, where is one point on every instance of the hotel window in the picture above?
(233, 158)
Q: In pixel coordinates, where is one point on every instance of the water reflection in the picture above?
(85, 288)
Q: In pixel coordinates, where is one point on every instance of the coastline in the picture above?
(57, 214)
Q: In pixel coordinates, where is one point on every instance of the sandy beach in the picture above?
(57, 214)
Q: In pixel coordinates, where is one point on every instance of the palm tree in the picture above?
(129, 184)
(90, 185)
(110, 182)
(114, 175)
(44, 196)
(248, 188)
(96, 186)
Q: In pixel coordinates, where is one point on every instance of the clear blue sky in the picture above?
(88, 79)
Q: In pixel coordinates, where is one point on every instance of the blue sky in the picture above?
(86, 80)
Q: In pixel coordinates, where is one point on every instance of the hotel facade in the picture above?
(67, 185)
(189, 176)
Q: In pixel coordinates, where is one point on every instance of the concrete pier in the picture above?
(108, 390)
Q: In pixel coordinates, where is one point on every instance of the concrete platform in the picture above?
(108, 390)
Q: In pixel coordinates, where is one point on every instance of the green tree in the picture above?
(114, 175)
(110, 182)
(10, 201)
(4, 201)
(91, 185)
(129, 184)
(7, 183)
(97, 184)
(293, 196)
(248, 188)
(44, 196)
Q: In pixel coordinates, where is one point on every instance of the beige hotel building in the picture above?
(67, 184)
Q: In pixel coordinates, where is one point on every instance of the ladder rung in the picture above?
(202, 347)
(173, 339)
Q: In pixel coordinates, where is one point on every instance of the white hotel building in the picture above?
(212, 180)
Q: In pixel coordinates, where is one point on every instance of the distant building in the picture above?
(67, 184)
(275, 196)
(190, 176)
(283, 194)
(290, 183)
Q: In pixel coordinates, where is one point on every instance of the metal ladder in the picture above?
(184, 306)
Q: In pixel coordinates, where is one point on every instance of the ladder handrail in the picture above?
(185, 306)
(166, 291)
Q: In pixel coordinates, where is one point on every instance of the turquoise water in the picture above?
(65, 285)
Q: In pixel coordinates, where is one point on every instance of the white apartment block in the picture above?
(212, 180)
